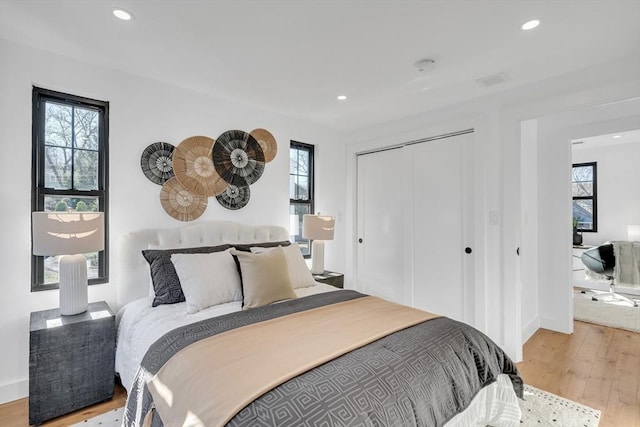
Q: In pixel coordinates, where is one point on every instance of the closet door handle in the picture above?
(467, 250)
(360, 240)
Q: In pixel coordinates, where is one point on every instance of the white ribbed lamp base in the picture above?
(317, 257)
(73, 284)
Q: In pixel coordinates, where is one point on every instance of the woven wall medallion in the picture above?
(267, 143)
(193, 166)
(238, 154)
(156, 162)
(234, 197)
(180, 203)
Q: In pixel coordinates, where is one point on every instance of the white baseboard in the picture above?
(530, 329)
(14, 391)
(554, 325)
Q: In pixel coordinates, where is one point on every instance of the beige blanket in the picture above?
(208, 382)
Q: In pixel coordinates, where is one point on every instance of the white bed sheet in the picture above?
(140, 325)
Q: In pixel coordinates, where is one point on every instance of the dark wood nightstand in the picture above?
(330, 278)
(71, 360)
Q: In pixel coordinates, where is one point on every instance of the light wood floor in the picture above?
(16, 413)
(596, 366)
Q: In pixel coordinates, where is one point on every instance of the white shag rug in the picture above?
(539, 409)
(605, 311)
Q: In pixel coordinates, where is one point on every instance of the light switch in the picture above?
(494, 217)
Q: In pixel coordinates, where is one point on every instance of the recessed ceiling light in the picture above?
(122, 14)
(342, 97)
(617, 136)
(530, 25)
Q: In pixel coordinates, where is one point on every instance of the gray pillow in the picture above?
(166, 284)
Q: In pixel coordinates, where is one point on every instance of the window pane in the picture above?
(299, 209)
(582, 173)
(78, 204)
(66, 203)
(58, 125)
(86, 128)
(579, 189)
(85, 170)
(52, 263)
(303, 163)
(293, 161)
(57, 168)
(302, 188)
(582, 181)
(292, 186)
(583, 210)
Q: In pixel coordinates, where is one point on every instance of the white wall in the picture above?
(497, 138)
(529, 241)
(618, 189)
(142, 111)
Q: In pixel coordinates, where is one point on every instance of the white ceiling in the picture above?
(626, 137)
(294, 57)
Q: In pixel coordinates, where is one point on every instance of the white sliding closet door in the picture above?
(381, 215)
(442, 225)
(415, 220)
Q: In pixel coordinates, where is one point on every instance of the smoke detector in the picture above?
(425, 65)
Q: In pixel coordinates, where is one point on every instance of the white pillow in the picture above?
(299, 274)
(207, 279)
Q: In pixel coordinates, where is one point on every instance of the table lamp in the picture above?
(633, 233)
(71, 234)
(318, 228)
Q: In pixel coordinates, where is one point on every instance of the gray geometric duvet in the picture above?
(420, 376)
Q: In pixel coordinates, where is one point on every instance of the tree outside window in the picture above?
(70, 135)
(584, 192)
(300, 191)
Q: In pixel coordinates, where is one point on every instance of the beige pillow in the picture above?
(264, 277)
(299, 273)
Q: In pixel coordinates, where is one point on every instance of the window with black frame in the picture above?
(70, 171)
(584, 188)
(300, 191)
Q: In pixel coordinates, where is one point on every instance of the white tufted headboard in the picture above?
(132, 274)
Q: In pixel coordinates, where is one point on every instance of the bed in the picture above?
(315, 355)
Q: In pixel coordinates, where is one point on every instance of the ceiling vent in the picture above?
(493, 80)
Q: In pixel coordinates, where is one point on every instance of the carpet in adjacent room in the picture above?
(606, 312)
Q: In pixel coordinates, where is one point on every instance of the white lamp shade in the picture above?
(318, 227)
(65, 233)
(633, 233)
